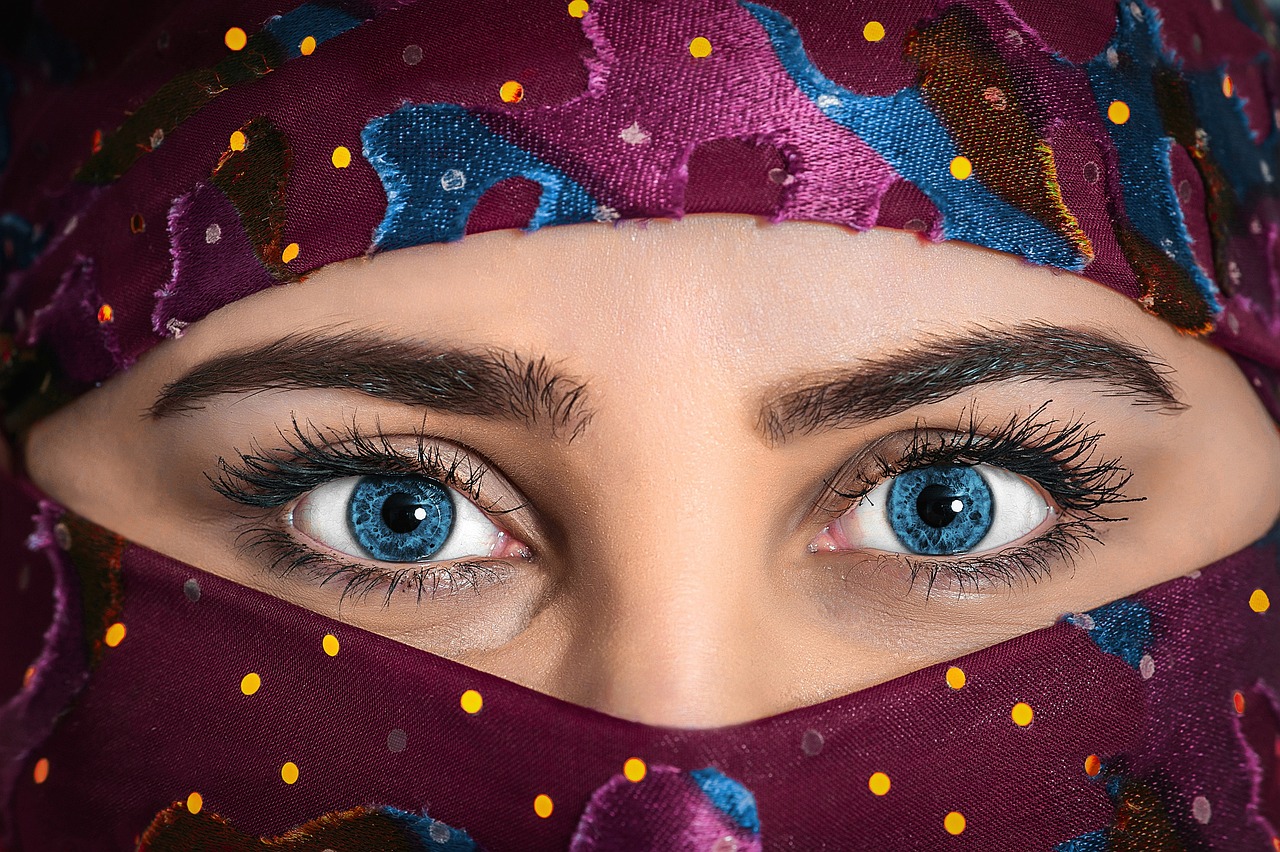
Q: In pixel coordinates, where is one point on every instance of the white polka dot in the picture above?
(397, 740)
(1201, 809)
(1146, 667)
(633, 135)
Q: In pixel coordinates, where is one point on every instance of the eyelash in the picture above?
(1060, 458)
(262, 481)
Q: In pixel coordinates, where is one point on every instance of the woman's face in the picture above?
(695, 472)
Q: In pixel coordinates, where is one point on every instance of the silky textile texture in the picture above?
(201, 714)
(162, 160)
(167, 159)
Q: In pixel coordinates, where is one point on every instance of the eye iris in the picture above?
(400, 518)
(940, 509)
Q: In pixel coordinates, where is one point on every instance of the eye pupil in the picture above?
(400, 518)
(938, 505)
(403, 513)
(940, 509)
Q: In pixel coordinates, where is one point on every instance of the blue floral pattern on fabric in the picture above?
(319, 22)
(1121, 628)
(1146, 174)
(911, 138)
(436, 160)
(730, 798)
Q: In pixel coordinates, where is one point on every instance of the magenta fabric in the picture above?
(152, 174)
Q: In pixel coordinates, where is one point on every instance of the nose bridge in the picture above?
(673, 593)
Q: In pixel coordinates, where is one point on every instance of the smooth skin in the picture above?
(670, 577)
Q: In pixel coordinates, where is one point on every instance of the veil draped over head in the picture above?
(162, 160)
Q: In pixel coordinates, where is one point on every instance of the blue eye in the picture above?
(395, 519)
(400, 518)
(941, 509)
(946, 509)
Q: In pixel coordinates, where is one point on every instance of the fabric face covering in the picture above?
(200, 153)
(203, 714)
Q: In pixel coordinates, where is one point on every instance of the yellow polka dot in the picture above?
(41, 772)
(634, 769)
(1022, 714)
(195, 802)
(542, 805)
(873, 31)
(1092, 765)
(250, 683)
(289, 772)
(1118, 112)
(235, 38)
(115, 634)
(106, 313)
(700, 47)
(961, 168)
(307, 46)
(290, 253)
(1228, 87)
(955, 677)
(879, 783)
(330, 644)
(1258, 601)
(578, 8)
(511, 92)
(471, 701)
(954, 822)
(341, 157)
(28, 675)
(238, 141)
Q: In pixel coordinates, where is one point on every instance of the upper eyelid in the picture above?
(1104, 478)
(353, 449)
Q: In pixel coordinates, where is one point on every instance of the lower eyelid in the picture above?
(288, 557)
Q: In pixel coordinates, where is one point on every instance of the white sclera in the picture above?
(1017, 508)
(323, 516)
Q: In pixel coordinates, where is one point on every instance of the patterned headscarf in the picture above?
(169, 162)
(161, 161)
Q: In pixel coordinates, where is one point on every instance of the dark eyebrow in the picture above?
(941, 367)
(484, 382)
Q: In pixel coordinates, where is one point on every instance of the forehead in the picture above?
(713, 282)
(730, 291)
